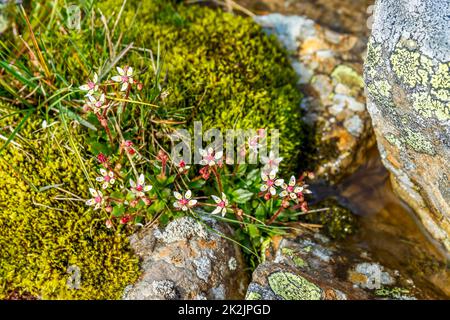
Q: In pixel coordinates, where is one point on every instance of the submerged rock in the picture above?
(329, 66)
(188, 260)
(308, 266)
(407, 74)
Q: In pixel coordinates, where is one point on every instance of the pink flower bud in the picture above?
(102, 158)
(267, 196)
(109, 209)
(134, 203)
(109, 223)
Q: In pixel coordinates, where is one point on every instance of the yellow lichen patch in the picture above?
(440, 82)
(429, 107)
(411, 67)
(418, 142)
(373, 58)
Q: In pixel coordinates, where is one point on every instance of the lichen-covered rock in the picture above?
(407, 74)
(329, 65)
(308, 266)
(187, 260)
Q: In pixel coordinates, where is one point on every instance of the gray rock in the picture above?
(186, 260)
(407, 76)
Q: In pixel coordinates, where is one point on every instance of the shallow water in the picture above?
(389, 230)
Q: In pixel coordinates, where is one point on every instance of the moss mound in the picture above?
(45, 235)
(221, 69)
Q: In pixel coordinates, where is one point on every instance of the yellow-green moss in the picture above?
(221, 68)
(41, 236)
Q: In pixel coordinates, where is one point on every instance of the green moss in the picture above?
(220, 68)
(41, 236)
(338, 221)
(292, 287)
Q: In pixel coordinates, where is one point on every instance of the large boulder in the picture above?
(304, 265)
(188, 259)
(407, 76)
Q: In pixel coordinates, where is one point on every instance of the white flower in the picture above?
(97, 200)
(271, 162)
(125, 77)
(210, 157)
(182, 167)
(270, 182)
(222, 204)
(90, 86)
(184, 202)
(97, 104)
(107, 178)
(292, 190)
(253, 143)
(140, 188)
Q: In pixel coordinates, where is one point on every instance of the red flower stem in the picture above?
(275, 215)
(219, 183)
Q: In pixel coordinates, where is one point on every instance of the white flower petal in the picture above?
(210, 150)
(292, 181)
(224, 212)
(103, 172)
(272, 174)
(192, 203)
(224, 197)
(279, 182)
(264, 176)
(111, 174)
(141, 179)
(112, 181)
(293, 195)
(116, 78)
(124, 86)
(105, 185)
(90, 202)
(84, 87)
(148, 188)
(184, 208)
(120, 71)
(211, 163)
(129, 71)
(99, 179)
(93, 192)
(95, 79)
(177, 195)
(176, 204)
(202, 152)
(298, 189)
(203, 162)
(216, 210)
(188, 194)
(218, 155)
(264, 187)
(132, 183)
(283, 193)
(273, 191)
(216, 199)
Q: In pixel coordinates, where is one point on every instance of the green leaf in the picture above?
(118, 211)
(260, 212)
(253, 231)
(242, 195)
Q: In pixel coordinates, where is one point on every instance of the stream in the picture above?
(389, 229)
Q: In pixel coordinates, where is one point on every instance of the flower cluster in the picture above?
(126, 194)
